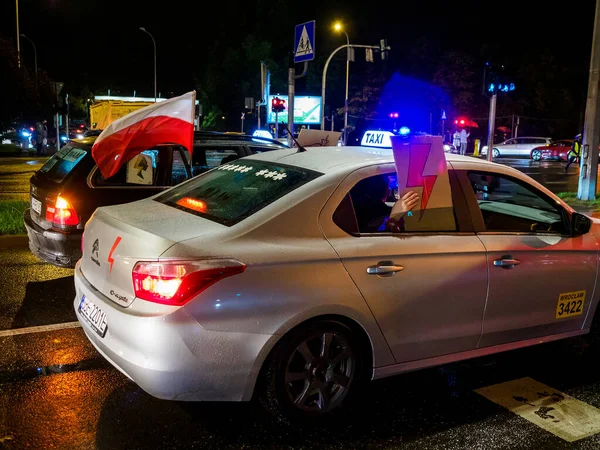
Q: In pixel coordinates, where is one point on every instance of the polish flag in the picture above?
(168, 122)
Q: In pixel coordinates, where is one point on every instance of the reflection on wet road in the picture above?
(549, 173)
(14, 177)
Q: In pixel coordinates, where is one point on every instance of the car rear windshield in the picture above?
(62, 163)
(232, 192)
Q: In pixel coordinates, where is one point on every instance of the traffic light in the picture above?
(497, 79)
(394, 115)
(460, 122)
(277, 105)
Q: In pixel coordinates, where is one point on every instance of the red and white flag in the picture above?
(168, 122)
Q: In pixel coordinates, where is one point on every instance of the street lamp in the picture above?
(18, 36)
(338, 27)
(153, 43)
(34, 54)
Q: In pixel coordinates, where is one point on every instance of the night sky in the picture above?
(98, 42)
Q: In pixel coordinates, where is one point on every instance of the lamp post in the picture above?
(154, 44)
(18, 36)
(338, 27)
(34, 54)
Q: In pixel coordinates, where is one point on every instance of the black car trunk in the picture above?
(48, 183)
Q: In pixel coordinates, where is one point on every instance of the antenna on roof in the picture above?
(300, 148)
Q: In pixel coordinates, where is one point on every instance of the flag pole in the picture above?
(194, 118)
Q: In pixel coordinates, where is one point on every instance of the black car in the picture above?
(69, 187)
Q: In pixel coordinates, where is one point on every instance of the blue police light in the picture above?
(404, 131)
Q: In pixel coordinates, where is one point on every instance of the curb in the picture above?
(13, 241)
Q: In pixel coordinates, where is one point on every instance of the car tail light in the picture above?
(62, 213)
(177, 282)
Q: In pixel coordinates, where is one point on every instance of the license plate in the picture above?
(93, 315)
(36, 205)
(570, 304)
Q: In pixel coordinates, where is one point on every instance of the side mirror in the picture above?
(580, 224)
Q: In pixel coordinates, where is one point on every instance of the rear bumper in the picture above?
(169, 355)
(60, 249)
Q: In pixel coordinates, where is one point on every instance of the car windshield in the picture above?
(62, 163)
(232, 192)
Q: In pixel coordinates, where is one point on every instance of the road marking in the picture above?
(554, 411)
(39, 329)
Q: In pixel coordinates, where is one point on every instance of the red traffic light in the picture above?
(394, 115)
(277, 105)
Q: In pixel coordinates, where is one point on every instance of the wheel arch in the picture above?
(267, 352)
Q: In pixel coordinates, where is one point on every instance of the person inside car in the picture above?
(372, 211)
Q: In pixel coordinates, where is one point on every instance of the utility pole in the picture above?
(290, 102)
(18, 37)
(588, 175)
(492, 125)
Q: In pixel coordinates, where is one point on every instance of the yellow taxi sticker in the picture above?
(570, 304)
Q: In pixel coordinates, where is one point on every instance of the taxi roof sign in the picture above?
(377, 138)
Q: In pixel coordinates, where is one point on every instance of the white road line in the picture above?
(40, 329)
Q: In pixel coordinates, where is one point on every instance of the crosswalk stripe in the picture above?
(39, 329)
(554, 411)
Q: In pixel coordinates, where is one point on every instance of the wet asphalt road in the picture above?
(57, 392)
(15, 174)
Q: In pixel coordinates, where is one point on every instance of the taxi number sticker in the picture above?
(570, 304)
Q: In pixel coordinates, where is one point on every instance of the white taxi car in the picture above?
(276, 276)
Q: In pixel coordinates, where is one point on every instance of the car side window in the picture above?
(366, 209)
(141, 170)
(509, 205)
(178, 170)
(205, 158)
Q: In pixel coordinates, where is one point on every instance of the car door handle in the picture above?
(385, 268)
(506, 262)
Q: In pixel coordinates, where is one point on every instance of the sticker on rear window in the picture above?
(74, 155)
(235, 168)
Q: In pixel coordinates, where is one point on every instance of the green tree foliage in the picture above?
(23, 98)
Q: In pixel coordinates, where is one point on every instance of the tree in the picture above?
(458, 75)
(23, 98)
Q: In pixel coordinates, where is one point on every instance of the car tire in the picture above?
(536, 155)
(302, 383)
(495, 153)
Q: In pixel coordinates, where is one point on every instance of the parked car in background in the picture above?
(557, 150)
(519, 146)
(69, 187)
(275, 277)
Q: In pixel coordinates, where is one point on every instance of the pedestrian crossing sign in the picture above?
(304, 42)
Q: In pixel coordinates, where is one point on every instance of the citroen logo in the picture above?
(95, 248)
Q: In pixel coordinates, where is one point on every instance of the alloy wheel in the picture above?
(319, 372)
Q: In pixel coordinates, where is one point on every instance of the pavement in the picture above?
(56, 391)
